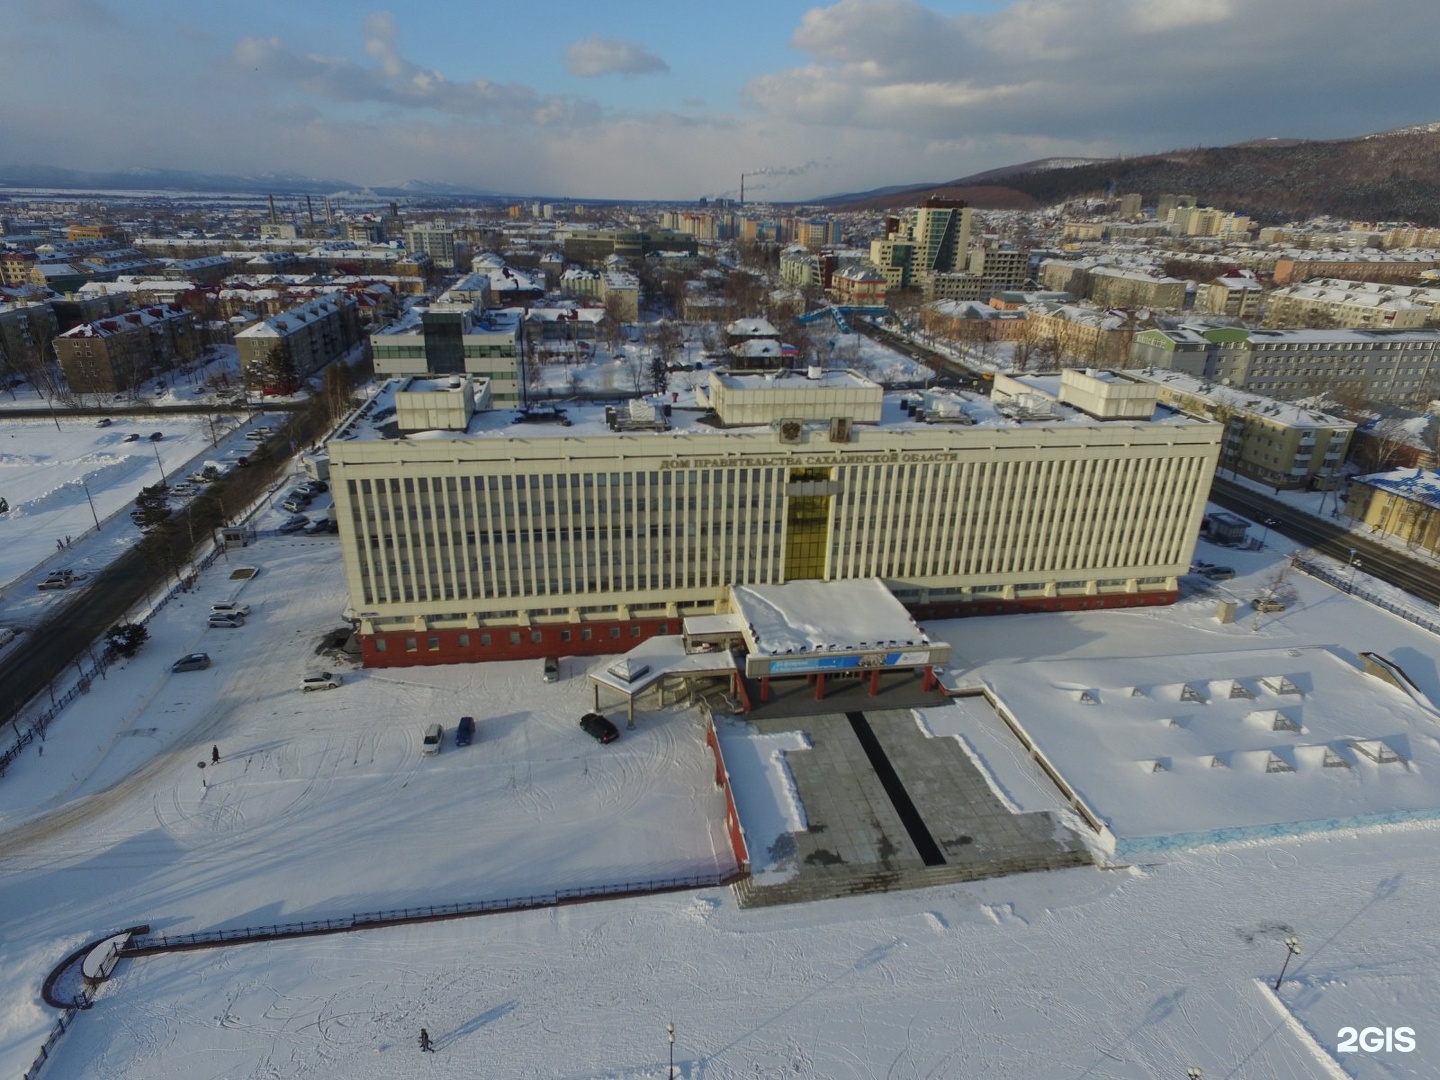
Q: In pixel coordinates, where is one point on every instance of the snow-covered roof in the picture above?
(1414, 485)
(825, 616)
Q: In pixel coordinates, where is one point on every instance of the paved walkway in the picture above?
(858, 839)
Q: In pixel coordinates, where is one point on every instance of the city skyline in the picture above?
(645, 101)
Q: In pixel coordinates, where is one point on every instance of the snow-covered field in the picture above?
(322, 805)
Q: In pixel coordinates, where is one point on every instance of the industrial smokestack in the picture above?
(310, 209)
(273, 218)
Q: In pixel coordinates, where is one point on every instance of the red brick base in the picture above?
(405, 648)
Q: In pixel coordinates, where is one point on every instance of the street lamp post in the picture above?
(1354, 565)
(670, 1072)
(1292, 949)
(158, 462)
(1266, 534)
(91, 502)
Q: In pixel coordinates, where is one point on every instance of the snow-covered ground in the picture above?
(322, 805)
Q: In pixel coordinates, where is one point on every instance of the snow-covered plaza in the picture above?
(322, 805)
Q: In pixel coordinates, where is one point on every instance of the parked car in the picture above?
(229, 607)
(434, 736)
(551, 669)
(318, 527)
(315, 487)
(156, 436)
(1219, 573)
(134, 436)
(465, 731)
(1267, 603)
(242, 462)
(226, 622)
(321, 680)
(294, 504)
(104, 421)
(598, 728)
(196, 661)
(294, 524)
(57, 579)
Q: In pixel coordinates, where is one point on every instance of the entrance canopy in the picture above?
(818, 627)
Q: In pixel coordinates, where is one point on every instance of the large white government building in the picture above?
(473, 533)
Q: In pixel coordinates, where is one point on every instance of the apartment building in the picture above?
(933, 238)
(860, 284)
(1237, 295)
(1111, 286)
(121, 352)
(436, 240)
(1394, 367)
(316, 333)
(510, 539)
(1404, 503)
(1361, 266)
(1078, 332)
(1341, 303)
(1274, 442)
(26, 330)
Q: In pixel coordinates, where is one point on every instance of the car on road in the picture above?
(196, 661)
(321, 680)
(598, 728)
(104, 421)
(434, 736)
(465, 731)
(226, 622)
(1267, 603)
(134, 436)
(156, 436)
(294, 524)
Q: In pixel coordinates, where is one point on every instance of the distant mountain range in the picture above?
(182, 180)
(1389, 176)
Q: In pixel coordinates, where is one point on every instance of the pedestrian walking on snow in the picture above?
(214, 755)
(425, 1045)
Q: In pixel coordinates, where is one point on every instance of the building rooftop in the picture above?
(691, 413)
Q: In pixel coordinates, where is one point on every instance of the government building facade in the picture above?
(471, 533)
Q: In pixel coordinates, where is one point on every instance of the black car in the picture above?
(156, 436)
(599, 728)
(465, 731)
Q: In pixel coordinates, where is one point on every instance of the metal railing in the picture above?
(60, 1027)
(1343, 579)
(154, 943)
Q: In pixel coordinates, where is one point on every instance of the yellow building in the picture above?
(1274, 442)
(602, 526)
(1404, 503)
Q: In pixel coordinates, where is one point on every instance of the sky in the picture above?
(650, 100)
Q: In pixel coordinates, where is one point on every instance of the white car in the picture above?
(321, 680)
(226, 622)
(230, 607)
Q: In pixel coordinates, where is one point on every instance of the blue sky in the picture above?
(642, 99)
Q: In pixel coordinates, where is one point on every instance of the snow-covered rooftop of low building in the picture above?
(825, 616)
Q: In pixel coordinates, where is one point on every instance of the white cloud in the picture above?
(399, 82)
(598, 55)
